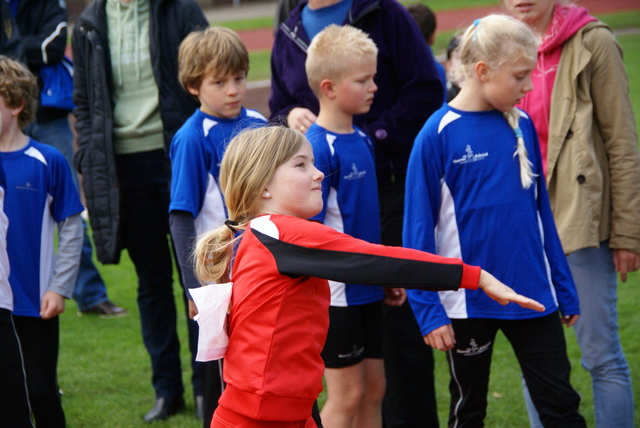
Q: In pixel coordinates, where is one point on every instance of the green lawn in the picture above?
(105, 374)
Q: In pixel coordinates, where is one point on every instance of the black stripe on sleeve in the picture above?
(361, 268)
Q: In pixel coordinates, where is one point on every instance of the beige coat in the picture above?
(593, 161)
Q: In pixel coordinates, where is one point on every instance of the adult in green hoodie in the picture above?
(129, 104)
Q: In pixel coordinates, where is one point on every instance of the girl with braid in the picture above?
(476, 191)
(280, 263)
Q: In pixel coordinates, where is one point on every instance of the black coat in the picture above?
(170, 22)
(10, 42)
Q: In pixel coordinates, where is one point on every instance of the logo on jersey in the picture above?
(355, 174)
(469, 156)
(26, 186)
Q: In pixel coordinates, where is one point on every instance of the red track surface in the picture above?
(262, 39)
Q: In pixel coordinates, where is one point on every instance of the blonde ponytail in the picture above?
(526, 173)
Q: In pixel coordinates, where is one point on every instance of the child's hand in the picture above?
(395, 296)
(193, 309)
(300, 119)
(442, 338)
(504, 294)
(52, 305)
(569, 320)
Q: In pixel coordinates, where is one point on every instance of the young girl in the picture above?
(279, 306)
(475, 190)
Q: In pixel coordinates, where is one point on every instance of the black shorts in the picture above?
(355, 333)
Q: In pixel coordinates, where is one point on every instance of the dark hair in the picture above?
(454, 43)
(425, 18)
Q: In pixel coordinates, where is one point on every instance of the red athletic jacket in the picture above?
(279, 314)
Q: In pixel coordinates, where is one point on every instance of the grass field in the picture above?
(105, 374)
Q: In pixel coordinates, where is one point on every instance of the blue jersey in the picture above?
(350, 196)
(464, 199)
(40, 193)
(196, 152)
(6, 296)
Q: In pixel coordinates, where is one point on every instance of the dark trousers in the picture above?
(540, 348)
(40, 343)
(14, 402)
(410, 398)
(144, 229)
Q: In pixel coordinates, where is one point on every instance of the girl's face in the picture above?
(296, 187)
(531, 12)
(503, 88)
(222, 96)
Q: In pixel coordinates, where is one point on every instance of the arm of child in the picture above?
(66, 266)
(183, 232)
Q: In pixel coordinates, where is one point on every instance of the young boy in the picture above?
(40, 195)
(341, 64)
(14, 403)
(213, 67)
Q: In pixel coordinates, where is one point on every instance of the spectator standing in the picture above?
(43, 28)
(279, 306)
(213, 68)
(129, 104)
(470, 196)
(340, 66)
(409, 91)
(581, 108)
(40, 197)
(14, 401)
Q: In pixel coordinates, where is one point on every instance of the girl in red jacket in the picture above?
(280, 266)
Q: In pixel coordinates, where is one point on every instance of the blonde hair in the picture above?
(248, 165)
(19, 87)
(332, 51)
(213, 50)
(498, 40)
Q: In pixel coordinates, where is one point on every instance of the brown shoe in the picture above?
(105, 310)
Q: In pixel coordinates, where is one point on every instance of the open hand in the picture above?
(504, 294)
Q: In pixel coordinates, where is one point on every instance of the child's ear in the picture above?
(327, 87)
(482, 71)
(193, 91)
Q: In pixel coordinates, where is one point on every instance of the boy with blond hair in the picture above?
(40, 197)
(213, 67)
(341, 65)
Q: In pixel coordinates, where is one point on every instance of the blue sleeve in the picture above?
(561, 277)
(324, 163)
(66, 200)
(189, 172)
(422, 202)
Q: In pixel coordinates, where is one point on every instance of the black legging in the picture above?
(39, 340)
(14, 405)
